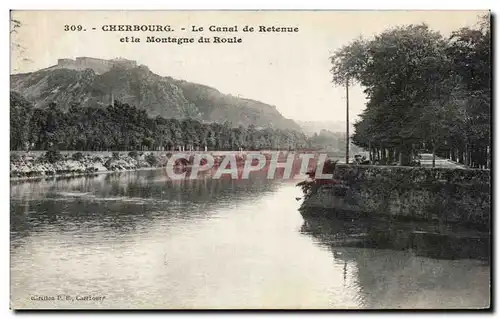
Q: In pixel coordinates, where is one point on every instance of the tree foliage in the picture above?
(424, 91)
(122, 127)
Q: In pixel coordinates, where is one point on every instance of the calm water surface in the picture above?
(144, 241)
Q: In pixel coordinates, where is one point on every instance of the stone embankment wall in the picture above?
(434, 194)
(37, 164)
(32, 165)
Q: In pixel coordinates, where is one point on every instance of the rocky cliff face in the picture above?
(137, 86)
(163, 96)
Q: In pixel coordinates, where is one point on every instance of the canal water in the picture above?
(140, 240)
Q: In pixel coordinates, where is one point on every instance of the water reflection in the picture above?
(145, 241)
(408, 265)
(123, 201)
(420, 238)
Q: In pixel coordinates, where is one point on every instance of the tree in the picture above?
(470, 53)
(18, 50)
(422, 90)
(122, 127)
(21, 112)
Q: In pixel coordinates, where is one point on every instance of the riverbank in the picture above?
(38, 165)
(443, 195)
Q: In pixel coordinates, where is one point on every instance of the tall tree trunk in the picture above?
(467, 162)
(370, 152)
(488, 157)
(433, 155)
(389, 158)
(484, 158)
(404, 156)
(473, 152)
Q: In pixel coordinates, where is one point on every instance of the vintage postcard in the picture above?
(250, 160)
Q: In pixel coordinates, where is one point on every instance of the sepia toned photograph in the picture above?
(250, 160)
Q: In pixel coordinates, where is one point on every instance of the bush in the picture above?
(14, 157)
(116, 155)
(53, 156)
(151, 159)
(77, 156)
(133, 154)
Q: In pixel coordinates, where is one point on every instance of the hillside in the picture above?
(138, 86)
(218, 107)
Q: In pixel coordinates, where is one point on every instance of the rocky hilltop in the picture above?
(94, 82)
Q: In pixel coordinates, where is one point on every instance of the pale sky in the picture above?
(288, 70)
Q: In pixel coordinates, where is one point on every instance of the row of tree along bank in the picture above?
(425, 92)
(122, 127)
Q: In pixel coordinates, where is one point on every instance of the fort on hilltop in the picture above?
(98, 65)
